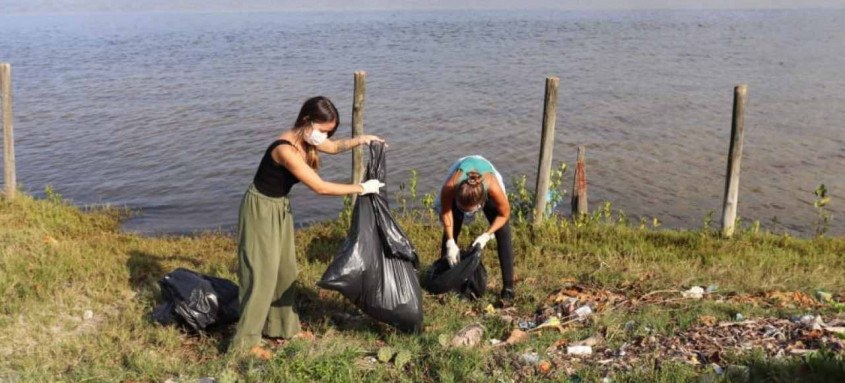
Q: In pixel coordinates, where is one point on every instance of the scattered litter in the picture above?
(494, 342)
(695, 292)
(579, 350)
(526, 325)
(583, 312)
(712, 288)
(529, 358)
(739, 317)
(88, 315)
(552, 322)
(468, 336)
(591, 341)
(544, 367)
(516, 336)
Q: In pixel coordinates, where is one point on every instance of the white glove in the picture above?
(371, 186)
(482, 240)
(452, 252)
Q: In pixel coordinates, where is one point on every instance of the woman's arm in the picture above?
(499, 197)
(447, 195)
(342, 145)
(297, 166)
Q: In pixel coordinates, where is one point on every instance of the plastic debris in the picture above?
(526, 325)
(712, 288)
(579, 350)
(515, 337)
(583, 312)
(468, 336)
(739, 317)
(695, 292)
(529, 358)
(88, 315)
(552, 322)
(544, 367)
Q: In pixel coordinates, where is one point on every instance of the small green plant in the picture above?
(522, 199)
(405, 197)
(708, 221)
(345, 215)
(52, 195)
(824, 216)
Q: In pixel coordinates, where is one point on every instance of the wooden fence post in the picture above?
(358, 126)
(734, 158)
(9, 177)
(579, 184)
(547, 143)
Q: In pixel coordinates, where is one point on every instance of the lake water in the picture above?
(170, 113)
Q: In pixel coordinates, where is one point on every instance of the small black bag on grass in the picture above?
(377, 267)
(197, 302)
(468, 277)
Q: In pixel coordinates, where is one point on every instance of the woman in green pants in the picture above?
(266, 256)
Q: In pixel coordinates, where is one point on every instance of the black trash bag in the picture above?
(377, 267)
(468, 277)
(197, 302)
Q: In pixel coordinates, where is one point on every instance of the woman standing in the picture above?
(266, 256)
(473, 184)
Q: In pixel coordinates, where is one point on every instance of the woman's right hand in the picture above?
(371, 186)
(368, 138)
(452, 252)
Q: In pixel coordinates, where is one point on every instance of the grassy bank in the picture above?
(77, 293)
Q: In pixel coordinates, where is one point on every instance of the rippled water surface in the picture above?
(170, 113)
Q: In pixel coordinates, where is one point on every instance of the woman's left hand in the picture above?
(368, 138)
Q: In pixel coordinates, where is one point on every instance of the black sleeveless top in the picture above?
(273, 179)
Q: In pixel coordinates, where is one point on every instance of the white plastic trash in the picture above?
(695, 292)
(579, 350)
(583, 312)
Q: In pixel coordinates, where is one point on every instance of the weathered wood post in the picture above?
(579, 184)
(547, 143)
(734, 158)
(8, 137)
(358, 126)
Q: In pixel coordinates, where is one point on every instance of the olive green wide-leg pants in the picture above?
(266, 270)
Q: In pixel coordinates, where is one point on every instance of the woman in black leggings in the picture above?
(474, 184)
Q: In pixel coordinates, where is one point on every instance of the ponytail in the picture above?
(471, 190)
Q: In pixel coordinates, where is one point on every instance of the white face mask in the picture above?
(316, 137)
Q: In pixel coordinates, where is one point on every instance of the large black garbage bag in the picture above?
(196, 301)
(468, 277)
(377, 267)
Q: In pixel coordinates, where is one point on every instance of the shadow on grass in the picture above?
(323, 248)
(318, 312)
(822, 366)
(145, 269)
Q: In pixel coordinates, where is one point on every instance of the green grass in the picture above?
(57, 261)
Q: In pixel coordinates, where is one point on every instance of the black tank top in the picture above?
(272, 179)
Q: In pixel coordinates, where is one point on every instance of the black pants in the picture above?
(503, 239)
